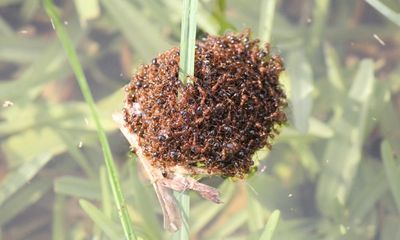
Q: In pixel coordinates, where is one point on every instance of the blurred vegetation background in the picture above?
(333, 172)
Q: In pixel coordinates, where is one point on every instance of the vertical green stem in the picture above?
(186, 65)
(188, 41)
(58, 218)
(81, 78)
(183, 200)
(320, 15)
(269, 229)
(266, 19)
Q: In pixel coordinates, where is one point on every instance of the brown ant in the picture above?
(228, 113)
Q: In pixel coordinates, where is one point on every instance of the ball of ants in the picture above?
(232, 108)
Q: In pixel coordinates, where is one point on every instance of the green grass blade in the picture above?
(77, 154)
(186, 64)
(390, 229)
(256, 211)
(368, 192)
(392, 172)
(320, 14)
(47, 67)
(232, 225)
(301, 228)
(183, 200)
(144, 201)
(343, 152)
(77, 187)
(206, 211)
(204, 20)
(188, 40)
(76, 67)
(19, 50)
(15, 180)
(58, 231)
(271, 226)
(5, 29)
(266, 19)
(302, 86)
(87, 10)
(307, 158)
(218, 13)
(363, 85)
(110, 228)
(385, 11)
(29, 9)
(105, 192)
(333, 68)
(136, 27)
(25, 197)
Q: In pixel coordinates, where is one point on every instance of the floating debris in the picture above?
(379, 40)
(8, 103)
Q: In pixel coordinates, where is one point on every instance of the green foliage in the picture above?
(110, 228)
(392, 172)
(386, 11)
(332, 173)
(84, 87)
(266, 19)
(188, 39)
(271, 225)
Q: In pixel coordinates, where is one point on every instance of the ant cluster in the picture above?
(231, 110)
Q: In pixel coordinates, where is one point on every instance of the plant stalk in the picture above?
(81, 78)
(188, 41)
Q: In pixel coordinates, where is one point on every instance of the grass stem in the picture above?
(80, 76)
(183, 200)
(269, 229)
(186, 65)
(188, 41)
(266, 19)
